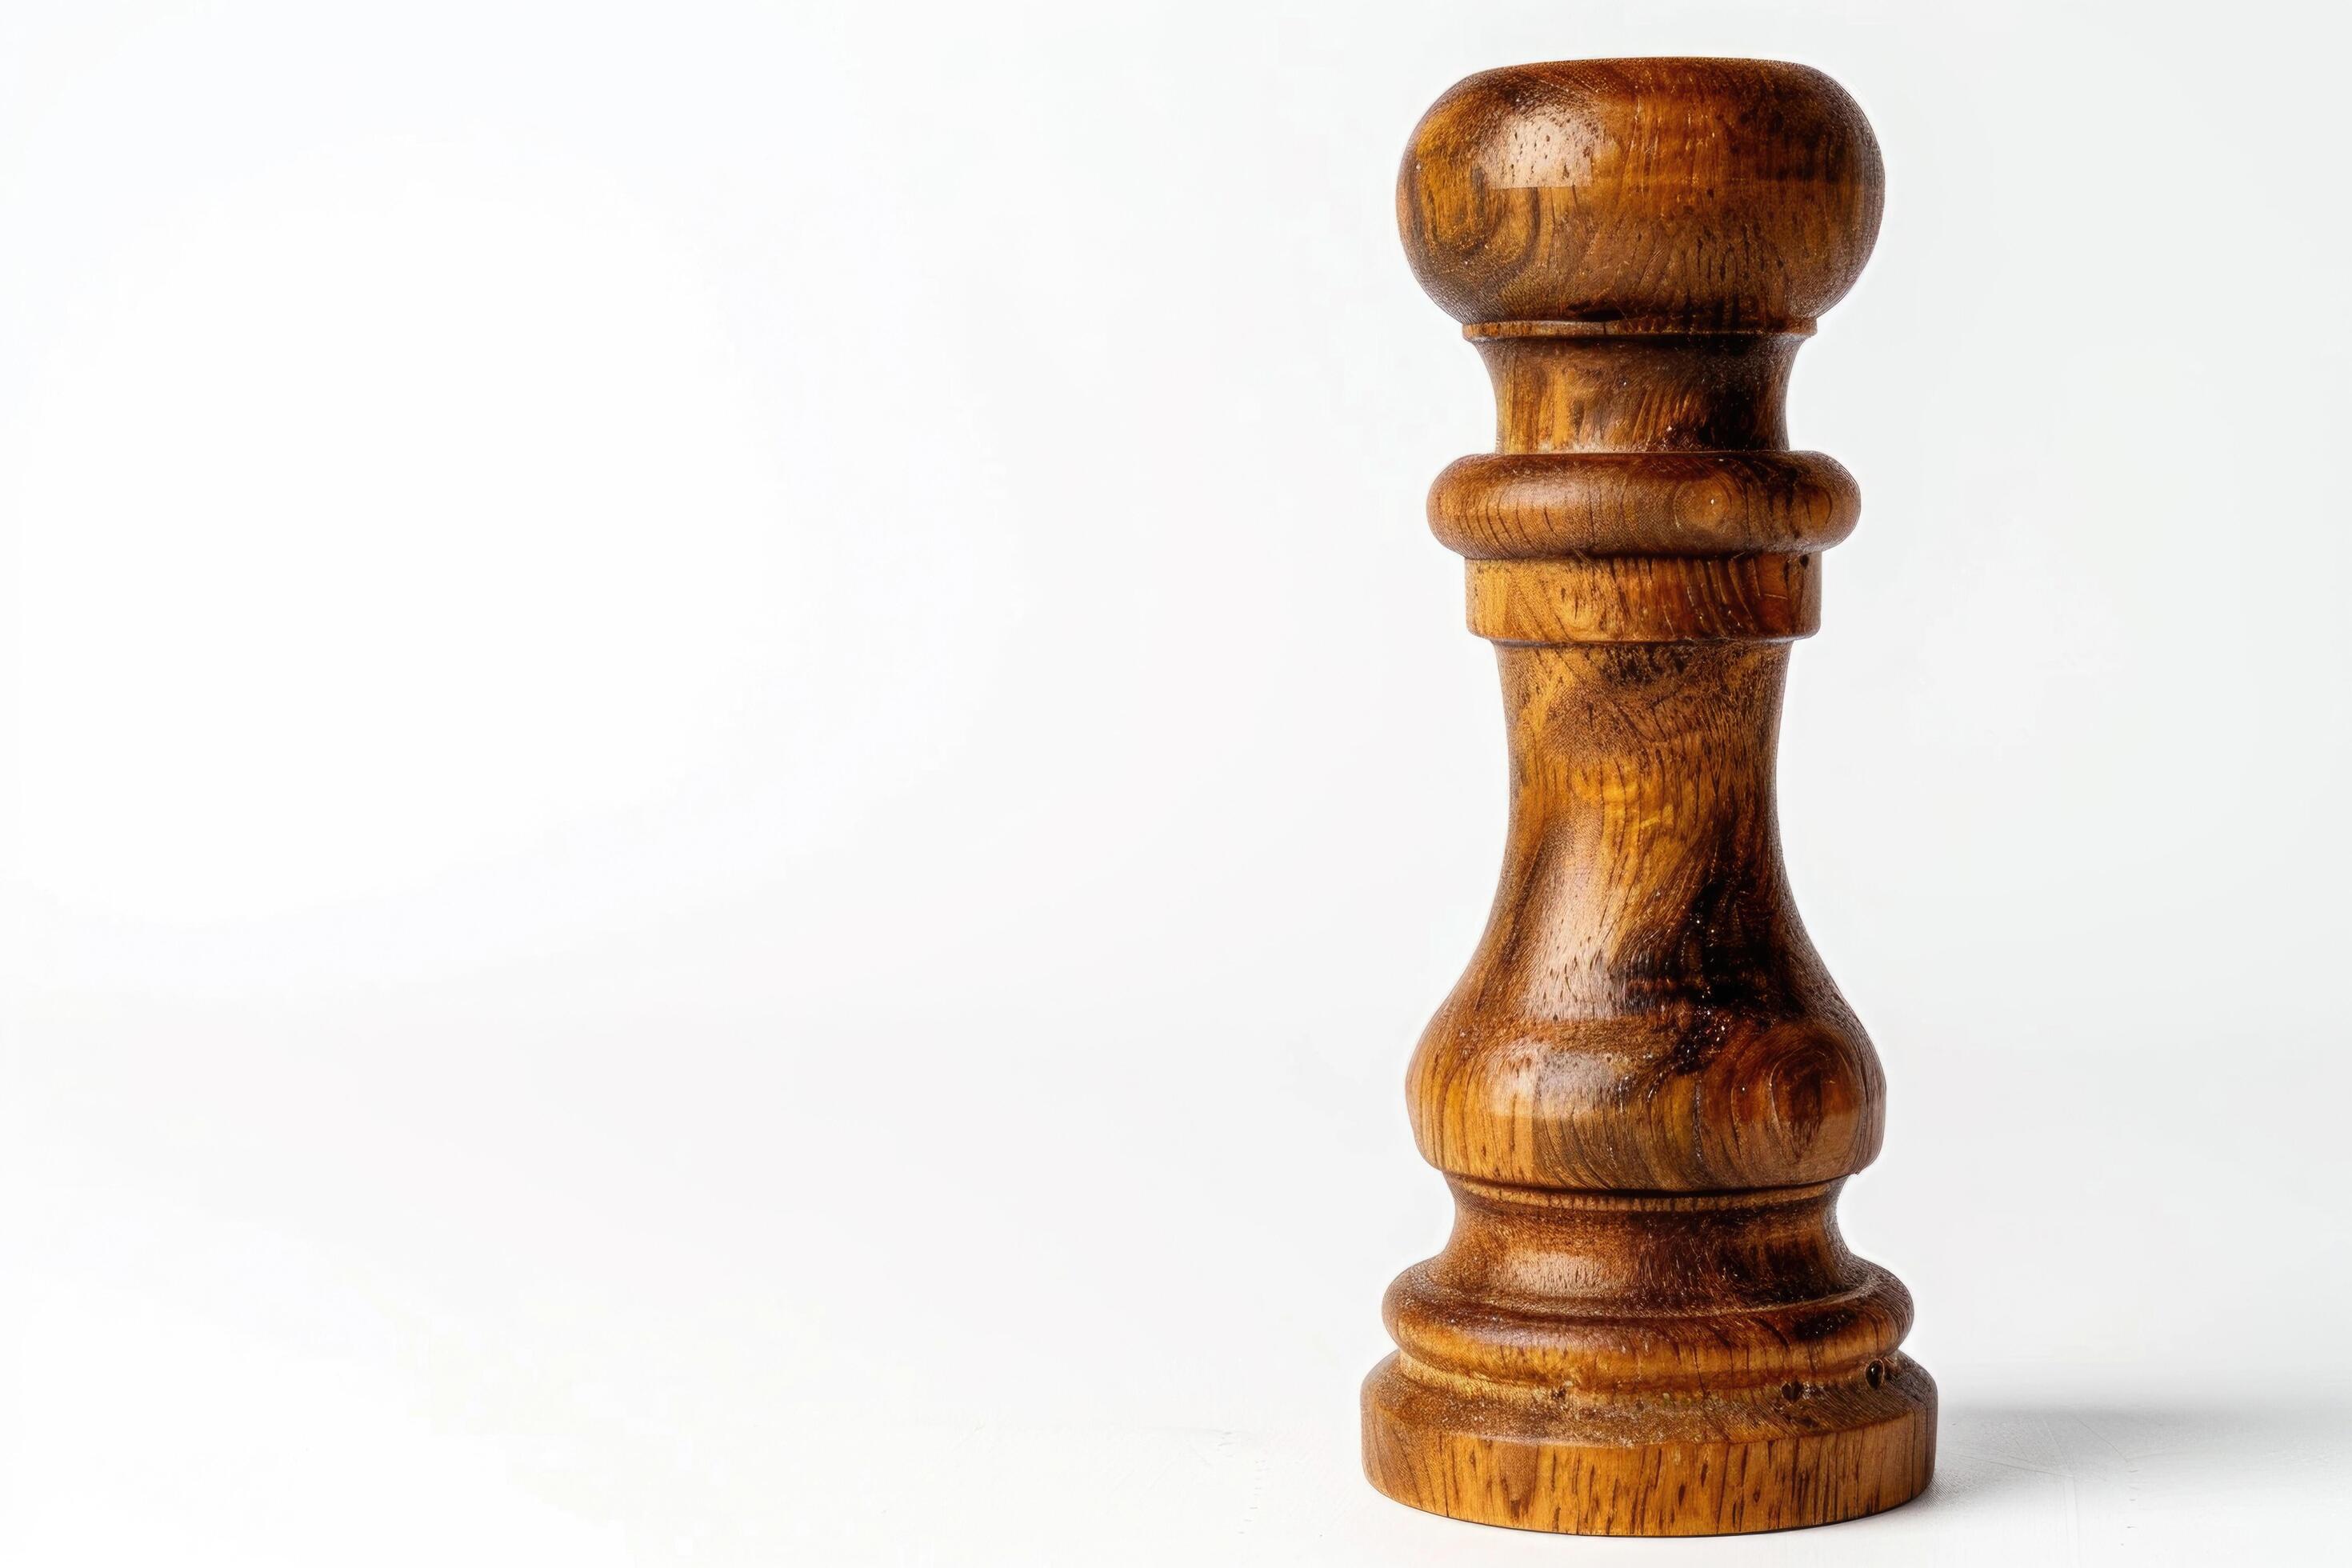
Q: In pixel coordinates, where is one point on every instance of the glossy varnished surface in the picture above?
(1670, 191)
(1646, 1089)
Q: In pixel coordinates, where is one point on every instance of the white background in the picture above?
(736, 769)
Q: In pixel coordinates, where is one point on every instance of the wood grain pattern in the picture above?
(1645, 1091)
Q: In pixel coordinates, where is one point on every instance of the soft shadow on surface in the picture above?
(2068, 1450)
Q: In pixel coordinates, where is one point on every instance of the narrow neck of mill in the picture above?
(1566, 387)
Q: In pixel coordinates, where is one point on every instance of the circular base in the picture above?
(1649, 1464)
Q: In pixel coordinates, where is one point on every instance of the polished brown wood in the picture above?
(1646, 1091)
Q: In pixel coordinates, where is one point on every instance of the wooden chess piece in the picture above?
(1646, 1091)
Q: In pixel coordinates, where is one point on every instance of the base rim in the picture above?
(1638, 1464)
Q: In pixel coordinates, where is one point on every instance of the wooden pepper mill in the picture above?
(1646, 1091)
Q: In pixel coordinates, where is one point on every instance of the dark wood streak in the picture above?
(1646, 1092)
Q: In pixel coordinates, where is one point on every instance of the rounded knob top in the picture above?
(1671, 194)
